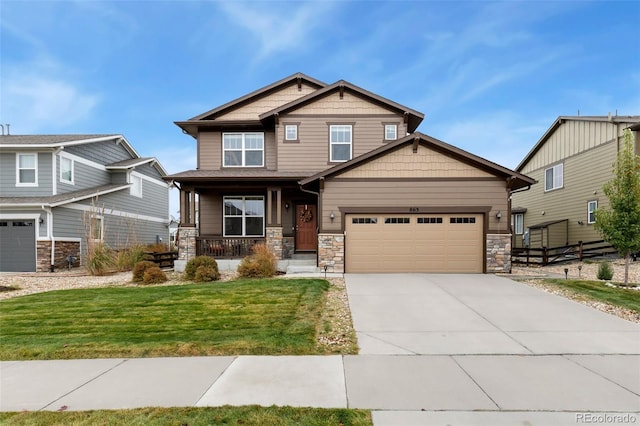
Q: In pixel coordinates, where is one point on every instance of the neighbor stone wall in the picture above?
(274, 241)
(498, 253)
(63, 249)
(331, 252)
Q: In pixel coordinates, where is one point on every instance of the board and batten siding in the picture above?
(407, 193)
(571, 138)
(210, 150)
(253, 110)
(8, 182)
(584, 176)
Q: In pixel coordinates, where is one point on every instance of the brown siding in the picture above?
(312, 152)
(210, 206)
(333, 104)
(584, 176)
(210, 150)
(403, 194)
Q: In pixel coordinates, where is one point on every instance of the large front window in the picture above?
(553, 177)
(340, 141)
(244, 216)
(243, 149)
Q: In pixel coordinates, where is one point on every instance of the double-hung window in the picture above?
(340, 139)
(66, 170)
(291, 132)
(244, 216)
(27, 169)
(592, 206)
(243, 149)
(517, 223)
(553, 177)
(390, 132)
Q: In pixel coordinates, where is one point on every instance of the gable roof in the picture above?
(15, 142)
(518, 180)
(624, 119)
(414, 118)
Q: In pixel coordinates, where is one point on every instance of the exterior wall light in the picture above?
(332, 216)
(499, 215)
(286, 206)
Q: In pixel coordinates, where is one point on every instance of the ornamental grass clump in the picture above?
(139, 270)
(261, 264)
(100, 259)
(605, 271)
(127, 258)
(202, 269)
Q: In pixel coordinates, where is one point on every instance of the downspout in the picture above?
(54, 170)
(50, 235)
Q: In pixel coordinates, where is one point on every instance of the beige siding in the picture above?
(267, 103)
(404, 194)
(332, 104)
(572, 138)
(210, 150)
(422, 164)
(584, 176)
(312, 152)
(210, 214)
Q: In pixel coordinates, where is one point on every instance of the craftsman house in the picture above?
(339, 172)
(58, 190)
(572, 161)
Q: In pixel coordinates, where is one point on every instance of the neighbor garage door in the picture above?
(17, 245)
(414, 243)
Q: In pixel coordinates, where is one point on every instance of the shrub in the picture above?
(154, 275)
(261, 264)
(128, 257)
(140, 268)
(100, 259)
(605, 271)
(205, 274)
(201, 261)
(157, 248)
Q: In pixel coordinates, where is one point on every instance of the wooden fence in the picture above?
(163, 260)
(549, 255)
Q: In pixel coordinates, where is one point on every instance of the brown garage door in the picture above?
(414, 243)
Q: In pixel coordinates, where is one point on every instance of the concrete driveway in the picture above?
(482, 349)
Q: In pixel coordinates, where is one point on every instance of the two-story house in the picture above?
(335, 170)
(572, 161)
(58, 191)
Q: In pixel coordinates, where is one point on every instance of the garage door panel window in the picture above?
(462, 220)
(397, 220)
(364, 220)
(429, 220)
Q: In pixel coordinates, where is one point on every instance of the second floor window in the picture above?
(553, 177)
(390, 132)
(340, 142)
(243, 149)
(66, 170)
(291, 132)
(136, 185)
(27, 169)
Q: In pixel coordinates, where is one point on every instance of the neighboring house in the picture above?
(336, 171)
(572, 161)
(58, 190)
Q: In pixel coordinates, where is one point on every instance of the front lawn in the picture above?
(246, 416)
(269, 316)
(599, 291)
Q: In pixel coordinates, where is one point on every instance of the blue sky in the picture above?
(490, 77)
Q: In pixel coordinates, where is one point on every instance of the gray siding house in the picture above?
(58, 190)
(338, 172)
(571, 162)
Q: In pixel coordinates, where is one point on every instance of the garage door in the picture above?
(17, 246)
(414, 243)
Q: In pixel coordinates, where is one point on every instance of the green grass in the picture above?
(597, 290)
(246, 416)
(268, 316)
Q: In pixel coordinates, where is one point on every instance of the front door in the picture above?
(306, 224)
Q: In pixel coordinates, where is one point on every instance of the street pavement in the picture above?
(434, 349)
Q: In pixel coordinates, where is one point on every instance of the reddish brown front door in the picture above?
(306, 224)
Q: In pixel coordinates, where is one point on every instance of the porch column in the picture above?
(279, 207)
(269, 206)
(187, 207)
(273, 232)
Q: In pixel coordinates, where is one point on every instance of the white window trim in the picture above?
(101, 219)
(244, 216)
(132, 190)
(395, 132)
(26, 184)
(243, 149)
(286, 132)
(331, 143)
(589, 211)
(558, 177)
(73, 170)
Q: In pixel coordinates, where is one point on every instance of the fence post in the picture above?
(545, 256)
(580, 250)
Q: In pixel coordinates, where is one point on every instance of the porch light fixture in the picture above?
(332, 216)
(499, 215)
(286, 206)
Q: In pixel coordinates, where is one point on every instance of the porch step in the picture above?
(298, 266)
